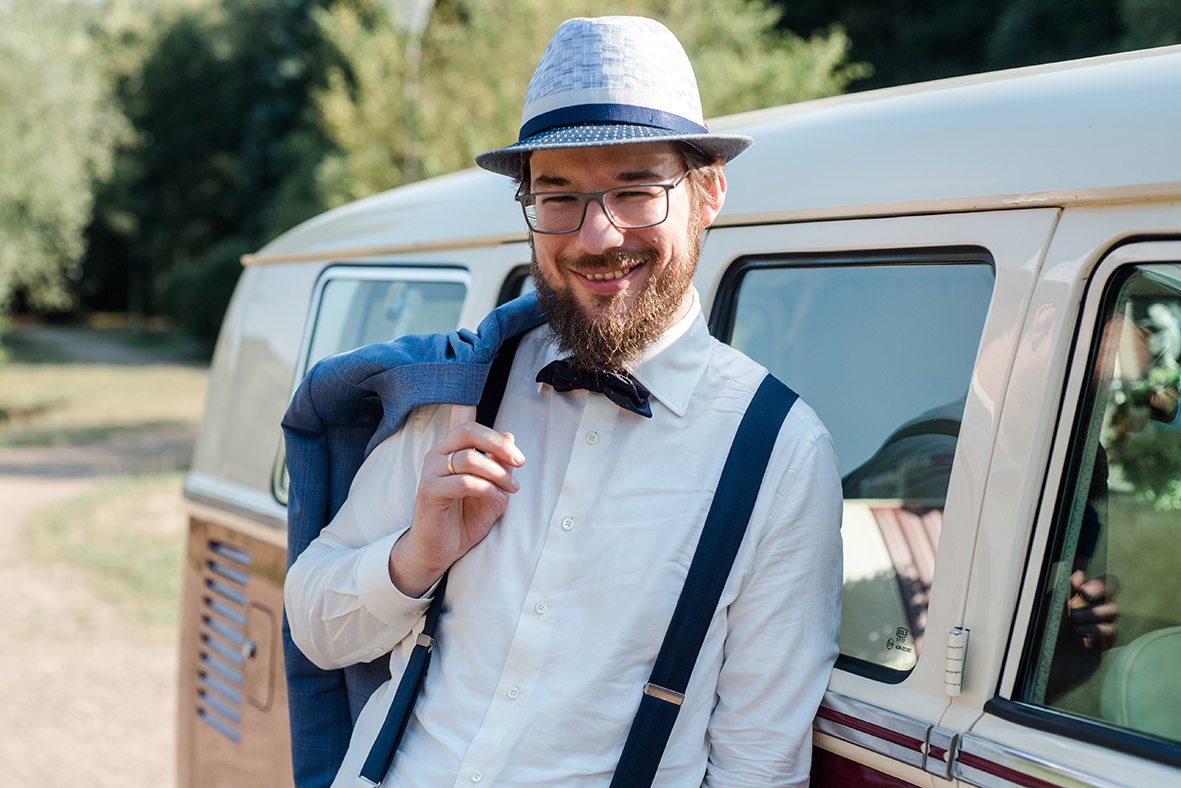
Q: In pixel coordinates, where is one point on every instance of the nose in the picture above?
(597, 234)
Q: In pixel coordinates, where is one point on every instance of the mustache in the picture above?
(616, 258)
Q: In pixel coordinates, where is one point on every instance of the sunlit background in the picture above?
(145, 145)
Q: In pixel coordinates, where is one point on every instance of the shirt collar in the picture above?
(672, 366)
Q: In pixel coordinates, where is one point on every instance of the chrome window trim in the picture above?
(1031, 771)
(872, 728)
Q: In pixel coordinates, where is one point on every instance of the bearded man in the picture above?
(567, 530)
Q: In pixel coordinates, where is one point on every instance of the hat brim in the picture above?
(507, 160)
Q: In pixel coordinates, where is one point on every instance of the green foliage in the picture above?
(59, 128)
(220, 165)
(477, 58)
(914, 40)
(1148, 454)
(1037, 31)
(1151, 23)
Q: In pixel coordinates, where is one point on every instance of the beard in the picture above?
(614, 337)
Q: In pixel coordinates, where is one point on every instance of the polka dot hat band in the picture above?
(612, 81)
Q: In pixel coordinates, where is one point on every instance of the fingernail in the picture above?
(516, 484)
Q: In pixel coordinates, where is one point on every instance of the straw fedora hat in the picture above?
(613, 80)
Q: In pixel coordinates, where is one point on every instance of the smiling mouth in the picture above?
(618, 273)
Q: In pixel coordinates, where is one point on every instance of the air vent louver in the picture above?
(224, 645)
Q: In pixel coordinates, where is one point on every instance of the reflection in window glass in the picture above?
(884, 354)
(356, 312)
(1108, 633)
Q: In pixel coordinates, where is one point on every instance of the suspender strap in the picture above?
(381, 754)
(725, 525)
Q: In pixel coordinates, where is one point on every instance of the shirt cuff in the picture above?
(379, 595)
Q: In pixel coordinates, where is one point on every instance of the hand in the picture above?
(1092, 611)
(454, 511)
(1087, 630)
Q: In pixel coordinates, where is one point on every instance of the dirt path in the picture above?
(87, 700)
(87, 693)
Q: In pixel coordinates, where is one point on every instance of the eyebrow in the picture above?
(630, 176)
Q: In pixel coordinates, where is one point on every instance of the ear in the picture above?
(715, 198)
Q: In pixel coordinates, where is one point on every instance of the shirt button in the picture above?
(592, 438)
(476, 775)
(513, 693)
(541, 607)
(568, 524)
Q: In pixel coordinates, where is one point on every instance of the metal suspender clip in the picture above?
(664, 694)
(425, 640)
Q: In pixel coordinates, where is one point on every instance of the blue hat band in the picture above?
(609, 113)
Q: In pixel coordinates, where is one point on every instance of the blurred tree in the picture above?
(218, 100)
(59, 129)
(915, 40)
(1042, 31)
(477, 59)
(1150, 23)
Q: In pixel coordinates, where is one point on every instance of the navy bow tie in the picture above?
(620, 389)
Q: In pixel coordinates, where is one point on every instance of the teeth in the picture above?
(609, 276)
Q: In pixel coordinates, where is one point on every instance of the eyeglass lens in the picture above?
(628, 207)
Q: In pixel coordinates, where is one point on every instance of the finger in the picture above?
(1111, 586)
(469, 435)
(468, 485)
(1099, 613)
(461, 414)
(1094, 591)
(469, 461)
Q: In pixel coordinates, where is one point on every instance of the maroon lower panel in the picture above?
(833, 771)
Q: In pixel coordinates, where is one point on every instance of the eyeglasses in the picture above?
(626, 207)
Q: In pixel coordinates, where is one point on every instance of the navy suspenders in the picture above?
(725, 525)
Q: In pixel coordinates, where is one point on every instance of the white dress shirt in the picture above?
(551, 624)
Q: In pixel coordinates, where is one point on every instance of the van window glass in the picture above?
(356, 312)
(361, 306)
(884, 354)
(1106, 640)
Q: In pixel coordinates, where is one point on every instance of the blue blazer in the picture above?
(345, 406)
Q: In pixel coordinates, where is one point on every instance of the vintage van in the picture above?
(975, 282)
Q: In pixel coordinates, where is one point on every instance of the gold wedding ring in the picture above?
(450, 467)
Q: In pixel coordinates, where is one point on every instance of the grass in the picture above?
(55, 403)
(126, 537)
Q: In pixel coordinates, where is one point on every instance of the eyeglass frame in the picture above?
(588, 197)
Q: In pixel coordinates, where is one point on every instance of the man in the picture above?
(568, 530)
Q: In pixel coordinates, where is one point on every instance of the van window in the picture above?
(884, 354)
(354, 306)
(355, 312)
(1106, 640)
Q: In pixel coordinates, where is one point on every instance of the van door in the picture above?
(233, 727)
(1085, 507)
(899, 332)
